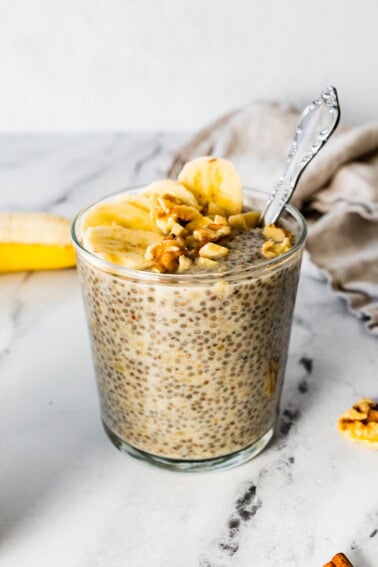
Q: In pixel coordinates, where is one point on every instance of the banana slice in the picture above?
(35, 241)
(144, 202)
(214, 180)
(123, 211)
(173, 188)
(120, 245)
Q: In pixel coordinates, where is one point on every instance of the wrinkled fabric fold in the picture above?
(338, 193)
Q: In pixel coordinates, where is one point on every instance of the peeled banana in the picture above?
(34, 241)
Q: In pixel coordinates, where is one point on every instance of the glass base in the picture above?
(225, 462)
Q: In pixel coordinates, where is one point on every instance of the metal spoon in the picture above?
(316, 124)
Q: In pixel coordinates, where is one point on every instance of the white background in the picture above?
(176, 64)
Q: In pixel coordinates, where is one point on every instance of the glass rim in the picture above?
(200, 277)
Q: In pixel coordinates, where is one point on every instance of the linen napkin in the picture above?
(338, 193)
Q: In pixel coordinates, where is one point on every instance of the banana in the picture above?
(120, 245)
(125, 229)
(172, 188)
(144, 202)
(124, 211)
(35, 241)
(214, 180)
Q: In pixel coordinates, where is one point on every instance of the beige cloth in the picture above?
(338, 193)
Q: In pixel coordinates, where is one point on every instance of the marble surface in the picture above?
(69, 499)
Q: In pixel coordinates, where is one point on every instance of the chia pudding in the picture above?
(190, 365)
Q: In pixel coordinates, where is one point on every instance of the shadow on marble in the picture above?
(39, 473)
(358, 559)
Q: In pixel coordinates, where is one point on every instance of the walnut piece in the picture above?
(271, 249)
(214, 251)
(278, 241)
(214, 209)
(360, 423)
(185, 264)
(244, 221)
(166, 255)
(276, 233)
(168, 212)
(206, 262)
(191, 234)
(205, 229)
(339, 560)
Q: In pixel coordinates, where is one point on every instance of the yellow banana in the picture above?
(172, 188)
(214, 180)
(123, 211)
(120, 245)
(34, 241)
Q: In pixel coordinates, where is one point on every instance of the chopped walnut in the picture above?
(199, 222)
(272, 249)
(244, 221)
(213, 251)
(214, 209)
(165, 224)
(195, 235)
(178, 230)
(211, 233)
(360, 423)
(278, 241)
(166, 255)
(252, 218)
(339, 560)
(185, 264)
(184, 212)
(206, 235)
(168, 212)
(276, 233)
(206, 262)
(220, 220)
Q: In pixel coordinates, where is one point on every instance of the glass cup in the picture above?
(190, 367)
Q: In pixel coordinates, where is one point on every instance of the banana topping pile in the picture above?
(175, 226)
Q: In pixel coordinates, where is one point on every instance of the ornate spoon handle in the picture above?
(318, 121)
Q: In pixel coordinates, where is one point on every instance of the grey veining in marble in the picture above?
(69, 499)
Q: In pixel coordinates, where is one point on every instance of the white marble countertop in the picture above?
(70, 499)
